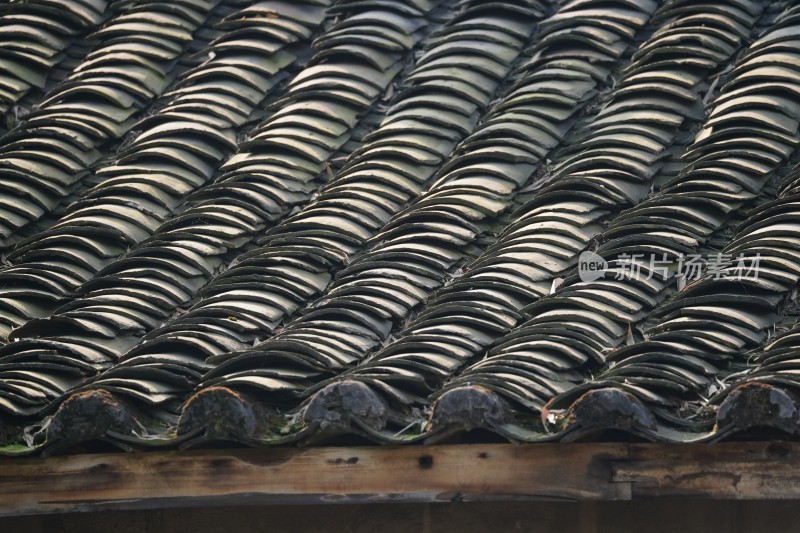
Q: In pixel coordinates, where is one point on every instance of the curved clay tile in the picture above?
(295, 262)
(415, 252)
(272, 171)
(36, 39)
(48, 155)
(177, 152)
(710, 320)
(611, 165)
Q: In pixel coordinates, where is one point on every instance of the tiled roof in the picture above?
(280, 221)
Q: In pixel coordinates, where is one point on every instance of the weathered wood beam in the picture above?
(411, 474)
(733, 470)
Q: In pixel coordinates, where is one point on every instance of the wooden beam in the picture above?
(410, 474)
(740, 471)
(314, 475)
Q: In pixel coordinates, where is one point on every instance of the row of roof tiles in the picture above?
(386, 307)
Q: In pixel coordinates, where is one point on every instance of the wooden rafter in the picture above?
(763, 470)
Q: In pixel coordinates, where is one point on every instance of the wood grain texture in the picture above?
(743, 471)
(561, 472)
